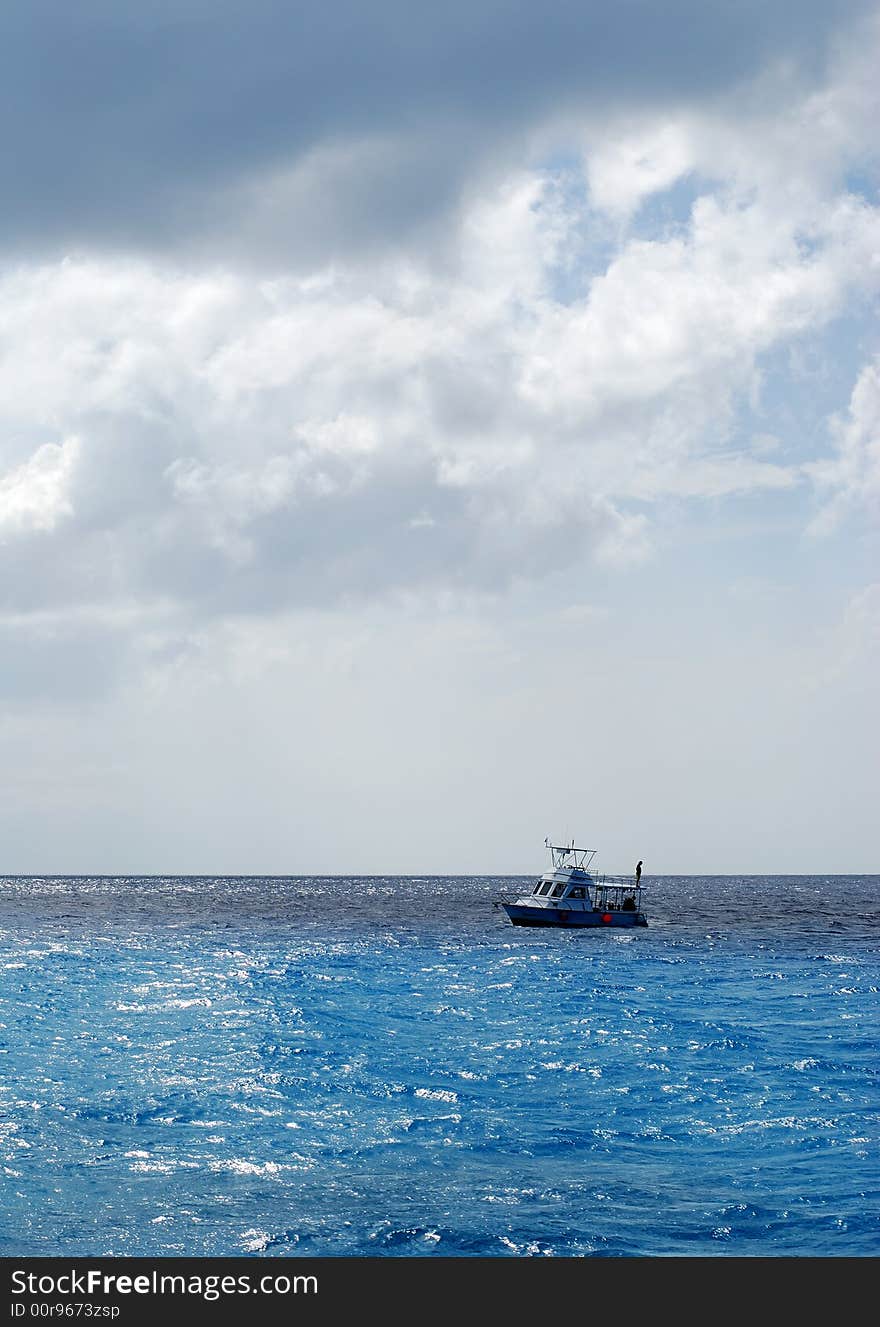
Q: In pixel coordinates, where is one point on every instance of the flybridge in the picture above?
(570, 858)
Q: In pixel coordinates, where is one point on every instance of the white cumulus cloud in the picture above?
(36, 494)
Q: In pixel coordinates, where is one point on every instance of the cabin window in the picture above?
(537, 888)
(545, 889)
(557, 890)
(577, 892)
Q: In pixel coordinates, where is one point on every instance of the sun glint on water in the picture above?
(378, 1066)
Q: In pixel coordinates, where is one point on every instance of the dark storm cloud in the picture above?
(136, 126)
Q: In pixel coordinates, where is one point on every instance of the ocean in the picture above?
(377, 1066)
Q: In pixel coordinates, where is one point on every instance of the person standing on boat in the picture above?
(638, 872)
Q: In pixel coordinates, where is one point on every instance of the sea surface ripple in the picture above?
(385, 1066)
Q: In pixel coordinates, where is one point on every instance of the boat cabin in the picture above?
(572, 879)
(580, 885)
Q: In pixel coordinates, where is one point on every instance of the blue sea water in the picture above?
(385, 1066)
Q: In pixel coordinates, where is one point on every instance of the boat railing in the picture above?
(618, 883)
(566, 856)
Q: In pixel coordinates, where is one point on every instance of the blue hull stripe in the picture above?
(550, 917)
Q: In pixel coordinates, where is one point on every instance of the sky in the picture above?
(427, 429)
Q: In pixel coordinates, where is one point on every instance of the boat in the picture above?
(572, 894)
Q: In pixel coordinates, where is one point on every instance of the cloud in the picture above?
(379, 370)
(521, 392)
(57, 662)
(627, 167)
(237, 443)
(851, 477)
(35, 496)
(314, 129)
